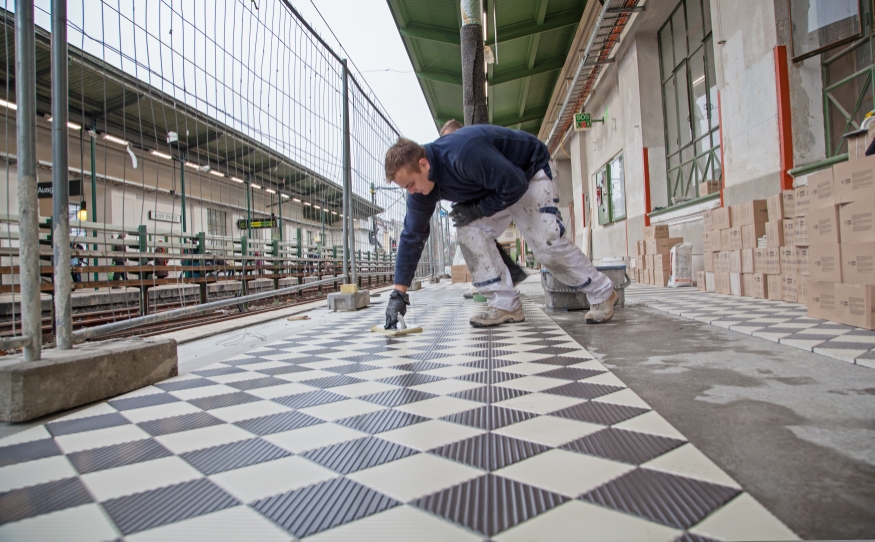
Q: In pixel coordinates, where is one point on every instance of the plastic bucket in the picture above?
(561, 297)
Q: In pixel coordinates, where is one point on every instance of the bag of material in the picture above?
(458, 259)
(681, 265)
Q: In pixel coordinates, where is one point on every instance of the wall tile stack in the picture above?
(653, 256)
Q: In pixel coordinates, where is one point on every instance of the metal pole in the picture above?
(473, 65)
(28, 206)
(248, 209)
(182, 188)
(280, 224)
(93, 135)
(348, 233)
(60, 182)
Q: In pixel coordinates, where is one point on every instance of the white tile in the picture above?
(205, 391)
(167, 410)
(452, 371)
(592, 365)
(457, 359)
(361, 389)
(567, 473)
(38, 471)
(205, 437)
(527, 368)
(523, 356)
(148, 390)
(540, 403)
(283, 390)
(181, 378)
(688, 461)
(743, 518)
(549, 430)
(342, 409)
(139, 477)
(608, 379)
(582, 354)
(95, 410)
(399, 524)
(390, 362)
(533, 383)
(315, 436)
(625, 397)
(230, 525)
(438, 407)
(446, 387)
(376, 374)
(271, 478)
(28, 435)
(653, 423)
(431, 434)
(91, 525)
(248, 411)
(305, 375)
(238, 357)
(100, 438)
(415, 476)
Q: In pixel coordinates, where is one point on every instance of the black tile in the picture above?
(150, 509)
(234, 455)
(664, 498)
(350, 368)
(248, 361)
(412, 379)
(332, 381)
(311, 398)
(185, 384)
(489, 394)
(393, 398)
(626, 446)
(489, 377)
(257, 383)
(317, 351)
(689, 537)
(90, 423)
(601, 413)
(488, 363)
(359, 454)
(570, 373)
(28, 451)
(143, 401)
(176, 424)
(490, 504)
(381, 421)
(277, 423)
(426, 356)
(41, 499)
(554, 350)
(489, 451)
(583, 390)
(323, 506)
(218, 372)
(284, 370)
(119, 455)
(364, 357)
(420, 366)
(489, 417)
(224, 400)
(304, 357)
(561, 361)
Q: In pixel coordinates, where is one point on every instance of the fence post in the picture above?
(347, 181)
(299, 242)
(141, 247)
(182, 160)
(202, 249)
(243, 250)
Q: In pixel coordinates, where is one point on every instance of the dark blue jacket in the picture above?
(487, 164)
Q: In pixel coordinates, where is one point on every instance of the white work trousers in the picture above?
(537, 218)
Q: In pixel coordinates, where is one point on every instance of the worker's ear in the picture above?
(424, 165)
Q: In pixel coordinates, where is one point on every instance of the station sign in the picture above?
(582, 121)
(164, 217)
(44, 190)
(257, 224)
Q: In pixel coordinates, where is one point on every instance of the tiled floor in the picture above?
(777, 321)
(511, 433)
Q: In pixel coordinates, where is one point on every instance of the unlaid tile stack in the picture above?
(653, 259)
(840, 222)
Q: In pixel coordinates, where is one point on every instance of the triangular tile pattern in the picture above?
(480, 430)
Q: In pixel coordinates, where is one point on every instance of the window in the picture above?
(610, 185)
(217, 223)
(818, 25)
(689, 96)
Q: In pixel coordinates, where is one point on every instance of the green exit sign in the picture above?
(582, 121)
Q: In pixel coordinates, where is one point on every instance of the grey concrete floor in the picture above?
(796, 429)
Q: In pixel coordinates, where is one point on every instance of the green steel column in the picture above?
(248, 210)
(280, 223)
(322, 215)
(182, 187)
(94, 193)
(299, 242)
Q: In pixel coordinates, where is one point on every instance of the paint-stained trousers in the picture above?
(537, 218)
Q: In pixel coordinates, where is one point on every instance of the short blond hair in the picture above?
(450, 126)
(405, 153)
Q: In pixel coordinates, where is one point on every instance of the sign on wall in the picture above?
(257, 224)
(582, 121)
(44, 190)
(164, 217)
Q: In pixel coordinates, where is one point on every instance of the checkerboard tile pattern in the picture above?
(336, 433)
(776, 321)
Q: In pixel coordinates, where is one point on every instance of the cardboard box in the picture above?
(747, 284)
(789, 200)
(734, 215)
(707, 244)
(800, 231)
(722, 265)
(789, 233)
(750, 233)
(775, 233)
(854, 180)
(708, 260)
(776, 207)
(801, 200)
(735, 238)
(661, 276)
(751, 212)
(825, 263)
(788, 260)
(648, 261)
(822, 191)
(788, 288)
(760, 260)
(823, 226)
(723, 283)
(776, 291)
(714, 240)
(641, 247)
(725, 239)
(747, 260)
(710, 282)
(700, 281)
(802, 260)
(720, 218)
(855, 305)
(858, 263)
(657, 231)
(760, 285)
(709, 187)
(662, 261)
(736, 286)
(662, 245)
(735, 261)
(801, 291)
(707, 223)
(821, 300)
(773, 261)
(460, 273)
(857, 221)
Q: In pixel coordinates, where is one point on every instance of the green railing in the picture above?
(684, 180)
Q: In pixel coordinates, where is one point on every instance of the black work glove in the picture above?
(465, 213)
(398, 302)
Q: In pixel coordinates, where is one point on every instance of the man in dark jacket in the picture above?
(495, 176)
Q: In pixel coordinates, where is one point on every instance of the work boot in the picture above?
(494, 317)
(470, 293)
(602, 312)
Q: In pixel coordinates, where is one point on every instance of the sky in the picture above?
(367, 31)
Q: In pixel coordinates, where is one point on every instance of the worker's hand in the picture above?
(465, 213)
(398, 302)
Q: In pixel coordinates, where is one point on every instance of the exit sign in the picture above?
(582, 121)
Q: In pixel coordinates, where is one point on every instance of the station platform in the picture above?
(543, 430)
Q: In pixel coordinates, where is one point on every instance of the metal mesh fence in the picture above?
(208, 160)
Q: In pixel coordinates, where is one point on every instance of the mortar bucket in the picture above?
(560, 296)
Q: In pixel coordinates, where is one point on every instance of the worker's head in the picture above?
(408, 167)
(450, 126)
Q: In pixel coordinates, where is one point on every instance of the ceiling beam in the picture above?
(440, 76)
(534, 44)
(506, 76)
(116, 108)
(510, 120)
(528, 28)
(432, 33)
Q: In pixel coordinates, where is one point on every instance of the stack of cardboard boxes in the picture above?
(460, 273)
(840, 223)
(653, 259)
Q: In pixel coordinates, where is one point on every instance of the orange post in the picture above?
(722, 160)
(785, 123)
(647, 207)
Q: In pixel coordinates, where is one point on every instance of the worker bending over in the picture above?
(494, 175)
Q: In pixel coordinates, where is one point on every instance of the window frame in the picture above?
(606, 170)
(824, 48)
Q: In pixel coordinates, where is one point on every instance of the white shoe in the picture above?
(602, 312)
(495, 317)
